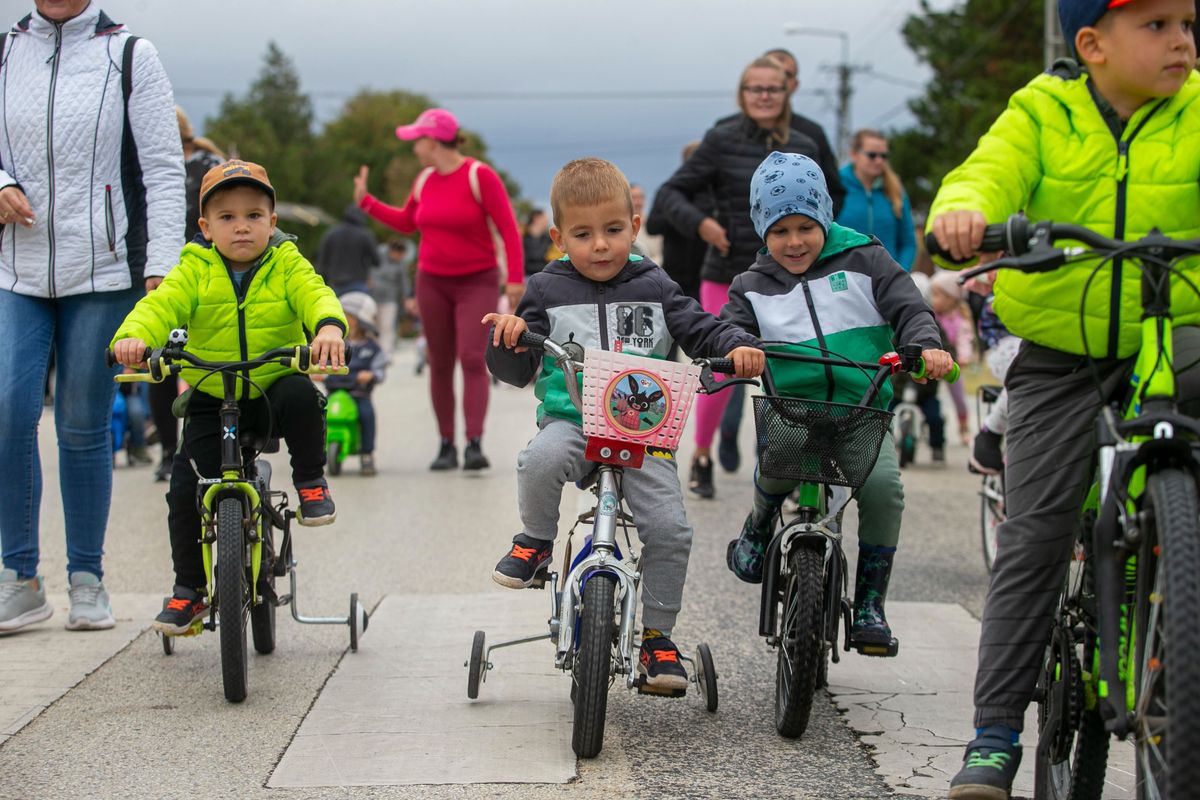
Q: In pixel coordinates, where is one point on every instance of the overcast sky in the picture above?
(574, 66)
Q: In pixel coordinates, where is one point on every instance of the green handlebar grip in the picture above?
(950, 377)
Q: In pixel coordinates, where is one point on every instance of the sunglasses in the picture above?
(874, 156)
(767, 90)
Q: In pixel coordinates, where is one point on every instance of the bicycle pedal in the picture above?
(889, 650)
(656, 691)
(540, 579)
(283, 600)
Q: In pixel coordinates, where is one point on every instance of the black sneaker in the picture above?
(184, 609)
(473, 457)
(701, 481)
(988, 768)
(747, 553)
(660, 663)
(527, 557)
(986, 458)
(938, 454)
(447, 457)
(163, 472)
(368, 465)
(727, 452)
(316, 503)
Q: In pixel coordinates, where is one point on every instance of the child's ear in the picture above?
(203, 223)
(274, 219)
(637, 224)
(1089, 46)
(557, 237)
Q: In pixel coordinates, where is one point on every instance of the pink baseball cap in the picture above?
(437, 123)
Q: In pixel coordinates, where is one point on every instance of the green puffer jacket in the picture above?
(1053, 155)
(281, 296)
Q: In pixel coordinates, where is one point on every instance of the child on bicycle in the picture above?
(1112, 143)
(245, 290)
(819, 284)
(368, 365)
(589, 297)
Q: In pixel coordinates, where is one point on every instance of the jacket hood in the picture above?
(850, 178)
(839, 240)
(92, 22)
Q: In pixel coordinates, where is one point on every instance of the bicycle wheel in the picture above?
(991, 514)
(906, 440)
(262, 614)
(801, 641)
(593, 663)
(233, 591)
(1167, 708)
(1073, 764)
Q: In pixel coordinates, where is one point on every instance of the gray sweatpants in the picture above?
(555, 456)
(1053, 404)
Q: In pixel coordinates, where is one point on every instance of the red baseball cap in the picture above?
(437, 123)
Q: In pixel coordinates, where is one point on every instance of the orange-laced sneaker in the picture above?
(316, 504)
(519, 565)
(660, 662)
(185, 607)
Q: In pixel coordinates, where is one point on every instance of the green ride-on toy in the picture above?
(343, 437)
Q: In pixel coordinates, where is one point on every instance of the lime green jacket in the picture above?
(280, 297)
(1054, 156)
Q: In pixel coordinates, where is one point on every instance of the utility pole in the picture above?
(845, 73)
(1053, 46)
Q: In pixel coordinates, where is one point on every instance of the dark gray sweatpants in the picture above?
(1053, 404)
(555, 456)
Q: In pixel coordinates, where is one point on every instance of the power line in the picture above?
(556, 96)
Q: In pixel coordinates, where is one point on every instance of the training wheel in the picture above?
(476, 666)
(358, 621)
(706, 677)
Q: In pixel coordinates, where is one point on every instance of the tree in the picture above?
(271, 125)
(981, 51)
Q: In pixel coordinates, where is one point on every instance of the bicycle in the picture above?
(594, 605)
(991, 486)
(239, 516)
(1122, 654)
(822, 445)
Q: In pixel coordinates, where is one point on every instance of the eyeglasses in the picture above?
(874, 156)
(770, 91)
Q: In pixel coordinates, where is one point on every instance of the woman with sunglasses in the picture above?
(875, 200)
(720, 169)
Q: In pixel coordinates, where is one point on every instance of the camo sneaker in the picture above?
(21, 602)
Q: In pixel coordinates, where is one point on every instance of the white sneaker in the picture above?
(90, 609)
(21, 602)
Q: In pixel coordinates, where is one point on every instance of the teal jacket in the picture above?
(855, 302)
(280, 297)
(870, 211)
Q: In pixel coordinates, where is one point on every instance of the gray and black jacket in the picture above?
(855, 301)
(641, 311)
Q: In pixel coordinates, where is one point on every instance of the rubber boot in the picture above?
(745, 555)
(874, 569)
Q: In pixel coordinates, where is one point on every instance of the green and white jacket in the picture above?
(855, 301)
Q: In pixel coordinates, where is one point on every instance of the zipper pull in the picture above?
(1122, 160)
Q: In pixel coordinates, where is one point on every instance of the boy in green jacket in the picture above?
(241, 290)
(1113, 145)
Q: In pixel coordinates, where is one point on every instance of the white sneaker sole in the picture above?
(316, 522)
(35, 615)
(666, 681)
(91, 624)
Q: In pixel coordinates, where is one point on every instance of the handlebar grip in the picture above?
(135, 377)
(110, 358)
(995, 238)
(950, 377)
(530, 339)
(724, 365)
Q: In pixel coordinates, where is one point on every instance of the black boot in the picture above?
(870, 591)
(447, 457)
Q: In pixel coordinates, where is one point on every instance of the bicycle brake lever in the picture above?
(711, 385)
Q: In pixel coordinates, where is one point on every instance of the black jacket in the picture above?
(724, 162)
(683, 251)
(348, 250)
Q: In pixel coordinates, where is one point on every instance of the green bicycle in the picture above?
(1124, 651)
(240, 515)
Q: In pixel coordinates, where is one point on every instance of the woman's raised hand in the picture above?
(360, 183)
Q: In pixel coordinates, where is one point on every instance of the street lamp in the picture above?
(844, 72)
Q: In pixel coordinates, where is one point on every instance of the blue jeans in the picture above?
(78, 329)
(366, 425)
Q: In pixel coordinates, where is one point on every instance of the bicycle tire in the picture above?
(262, 614)
(801, 641)
(232, 591)
(906, 442)
(1080, 775)
(1168, 564)
(593, 664)
(991, 514)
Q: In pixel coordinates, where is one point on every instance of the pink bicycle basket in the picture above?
(637, 399)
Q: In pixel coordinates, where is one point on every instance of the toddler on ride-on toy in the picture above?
(243, 289)
(354, 432)
(819, 284)
(599, 296)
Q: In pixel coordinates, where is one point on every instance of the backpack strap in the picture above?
(473, 179)
(3, 42)
(419, 183)
(127, 71)
(497, 239)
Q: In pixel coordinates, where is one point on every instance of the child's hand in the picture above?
(364, 376)
(128, 352)
(328, 348)
(960, 232)
(509, 328)
(938, 364)
(748, 362)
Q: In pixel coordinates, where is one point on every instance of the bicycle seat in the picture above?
(588, 480)
(256, 441)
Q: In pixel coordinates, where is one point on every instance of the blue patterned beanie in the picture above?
(786, 184)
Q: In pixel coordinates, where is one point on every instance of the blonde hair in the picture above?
(892, 188)
(781, 130)
(588, 182)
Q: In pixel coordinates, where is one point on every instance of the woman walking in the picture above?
(461, 209)
(875, 200)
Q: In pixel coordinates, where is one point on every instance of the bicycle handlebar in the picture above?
(298, 358)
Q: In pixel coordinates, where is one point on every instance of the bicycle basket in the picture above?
(637, 399)
(811, 440)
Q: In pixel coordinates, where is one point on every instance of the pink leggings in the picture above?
(709, 408)
(451, 308)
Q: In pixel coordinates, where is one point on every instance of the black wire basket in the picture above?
(818, 442)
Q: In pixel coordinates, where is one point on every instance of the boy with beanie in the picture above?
(820, 285)
(242, 290)
(1113, 144)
